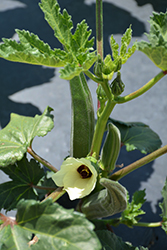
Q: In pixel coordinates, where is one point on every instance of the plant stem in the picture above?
(99, 34)
(142, 90)
(93, 77)
(100, 128)
(103, 83)
(99, 27)
(148, 224)
(42, 187)
(118, 221)
(56, 194)
(139, 163)
(41, 160)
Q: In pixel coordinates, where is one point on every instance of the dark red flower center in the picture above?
(84, 171)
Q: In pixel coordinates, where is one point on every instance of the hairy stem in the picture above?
(100, 128)
(93, 77)
(142, 90)
(56, 194)
(139, 163)
(41, 160)
(148, 224)
(99, 27)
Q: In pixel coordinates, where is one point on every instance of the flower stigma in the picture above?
(84, 171)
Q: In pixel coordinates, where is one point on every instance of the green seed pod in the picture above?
(82, 120)
(108, 201)
(111, 148)
(117, 86)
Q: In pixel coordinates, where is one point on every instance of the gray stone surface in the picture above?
(27, 90)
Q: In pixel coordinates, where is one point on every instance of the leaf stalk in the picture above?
(41, 160)
(55, 195)
(139, 163)
(142, 90)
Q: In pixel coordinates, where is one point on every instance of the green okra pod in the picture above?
(108, 201)
(111, 148)
(82, 117)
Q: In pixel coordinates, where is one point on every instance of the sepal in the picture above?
(108, 201)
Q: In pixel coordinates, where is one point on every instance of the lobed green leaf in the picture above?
(19, 134)
(14, 238)
(56, 227)
(135, 135)
(114, 47)
(121, 57)
(32, 50)
(23, 175)
(110, 241)
(156, 48)
(60, 23)
(133, 210)
(125, 41)
(82, 35)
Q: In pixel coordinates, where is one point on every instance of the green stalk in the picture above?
(93, 77)
(99, 27)
(148, 224)
(41, 160)
(55, 195)
(117, 221)
(100, 128)
(139, 163)
(142, 90)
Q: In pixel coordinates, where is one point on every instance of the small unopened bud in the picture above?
(98, 67)
(101, 95)
(117, 86)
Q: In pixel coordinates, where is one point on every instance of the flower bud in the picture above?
(117, 86)
(98, 67)
(101, 95)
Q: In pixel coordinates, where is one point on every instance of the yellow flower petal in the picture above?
(77, 183)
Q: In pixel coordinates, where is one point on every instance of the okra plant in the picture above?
(88, 173)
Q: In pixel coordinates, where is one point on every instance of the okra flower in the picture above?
(77, 176)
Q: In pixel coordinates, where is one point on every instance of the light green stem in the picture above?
(139, 163)
(56, 194)
(148, 224)
(118, 221)
(142, 90)
(100, 128)
(103, 83)
(93, 77)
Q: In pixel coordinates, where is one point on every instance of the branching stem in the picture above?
(142, 90)
(139, 163)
